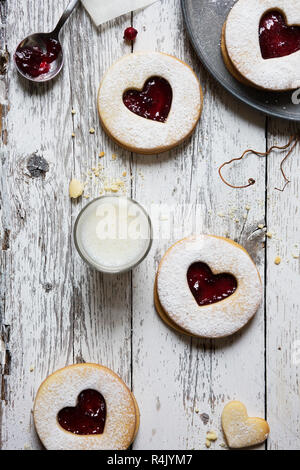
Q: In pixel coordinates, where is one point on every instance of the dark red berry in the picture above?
(130, 34)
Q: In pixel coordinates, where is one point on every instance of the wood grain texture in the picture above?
(58, 311)
(282, 294)
(175, 375)
(55, 311)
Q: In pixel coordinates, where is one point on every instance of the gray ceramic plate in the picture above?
(204, 20)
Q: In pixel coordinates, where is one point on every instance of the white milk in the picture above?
(113, 233)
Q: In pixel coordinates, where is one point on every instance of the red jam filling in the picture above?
(87, 417)
(153, 102)
(209, 288)
(276, 38)
(33, 61)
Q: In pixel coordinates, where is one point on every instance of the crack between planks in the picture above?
(5, 361)
(265, 277)
(72, 340)
(5, 355)
(131, 274)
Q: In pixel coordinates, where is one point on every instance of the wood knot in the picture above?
(37, 166)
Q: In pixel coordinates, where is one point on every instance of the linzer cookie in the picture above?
(261, 43)
(85, 407)
(149, 102)
(207, 286)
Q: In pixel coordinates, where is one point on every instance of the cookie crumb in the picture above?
(295, 256)
(101, 154)
(92, 130)
(73, 134)
(196, 410)
(114, 188)
(260, 226)
(211, 436)
(277, 260)
(31, 368)
(269, 235)
(124, 173)
(114, 156)
(73, 111)
(75, 189)
(207, 444)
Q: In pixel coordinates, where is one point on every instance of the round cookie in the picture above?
(57, 410)
(242, 45)
(231, 293)
(149, 102)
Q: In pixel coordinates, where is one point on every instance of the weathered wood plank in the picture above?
(282, 295)
(58, 311)
(102, 326)
(38, 289)
(173, 376)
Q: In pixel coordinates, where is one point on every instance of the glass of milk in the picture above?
(113, 234)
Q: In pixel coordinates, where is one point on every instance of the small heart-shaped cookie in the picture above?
(240, 430)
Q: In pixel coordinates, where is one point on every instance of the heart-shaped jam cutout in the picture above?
(153, 102)
(276, 38)
(209, 288)
(87, 417)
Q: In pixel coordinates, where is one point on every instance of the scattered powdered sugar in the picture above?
(222, 318)
(242, 43)
(62, 388)
(138, 133)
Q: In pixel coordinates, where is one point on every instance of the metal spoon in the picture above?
(40, 40)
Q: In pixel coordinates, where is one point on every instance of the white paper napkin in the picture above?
(105, 10)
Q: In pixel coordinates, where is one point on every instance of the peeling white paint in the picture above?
(3, 99)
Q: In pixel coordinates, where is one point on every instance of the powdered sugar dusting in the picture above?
(62, 388)
(220, 319)
(134, 131)
(242, 43)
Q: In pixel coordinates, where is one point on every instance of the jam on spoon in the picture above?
(39, 57)
(35, 61)
(276, 38)
(209, 288)
(153, 102)
(87, 417)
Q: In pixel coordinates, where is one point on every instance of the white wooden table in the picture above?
(55, 311)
